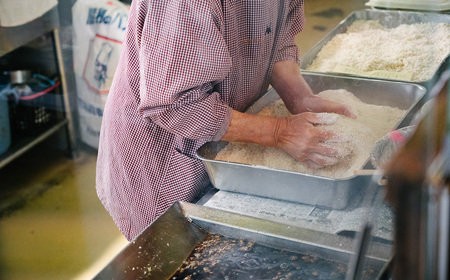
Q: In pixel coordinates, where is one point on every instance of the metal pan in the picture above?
(162, 247)
(390, 19)
(305, 188)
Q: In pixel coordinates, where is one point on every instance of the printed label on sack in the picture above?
(107, 16)
(101, 63)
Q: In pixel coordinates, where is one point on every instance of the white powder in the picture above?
(372, 123)
(368, 46)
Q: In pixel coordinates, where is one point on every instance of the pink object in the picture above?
(37, 94)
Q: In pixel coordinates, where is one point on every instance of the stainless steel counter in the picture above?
(322, 233)
(159, 250)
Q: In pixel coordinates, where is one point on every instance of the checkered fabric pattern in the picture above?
(183, 66)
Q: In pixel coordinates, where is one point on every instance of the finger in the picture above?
(323, 160)
(342, 109)
(346, 111)
(312, 164)
(330, 137)
(334, 107)
(321, 118)
(343, 151)
(333, 150)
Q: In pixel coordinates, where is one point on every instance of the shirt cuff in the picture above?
(224, 126)
(288, 53)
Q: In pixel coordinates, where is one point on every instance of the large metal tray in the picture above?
(390, 19)
(305, 188)
(162, 247)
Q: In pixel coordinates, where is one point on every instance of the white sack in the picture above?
(99, 28)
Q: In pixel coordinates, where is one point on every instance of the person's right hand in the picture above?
(303, 138)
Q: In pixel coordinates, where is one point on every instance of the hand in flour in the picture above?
(297, 94)
(302, 138)
(317, 104)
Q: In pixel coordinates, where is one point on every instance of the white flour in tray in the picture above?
(372, 123)
(368, 46)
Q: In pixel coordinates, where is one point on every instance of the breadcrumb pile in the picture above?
(418, 49)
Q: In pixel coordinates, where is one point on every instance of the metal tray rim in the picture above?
(272, 169)
(318, 46)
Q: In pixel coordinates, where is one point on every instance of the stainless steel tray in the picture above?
(390, 19)
(161, 248)
(304, 188)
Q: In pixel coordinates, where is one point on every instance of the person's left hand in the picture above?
(317, 104)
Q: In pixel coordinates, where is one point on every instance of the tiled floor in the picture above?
(52, 226)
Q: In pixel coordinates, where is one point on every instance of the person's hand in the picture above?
(317, 104)
(302, 137)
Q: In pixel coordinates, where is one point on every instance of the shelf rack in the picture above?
(12, 38)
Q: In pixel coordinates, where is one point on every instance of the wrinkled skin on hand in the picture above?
(302, 138)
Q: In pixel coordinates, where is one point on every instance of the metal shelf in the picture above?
(12, 38)
(26, 143)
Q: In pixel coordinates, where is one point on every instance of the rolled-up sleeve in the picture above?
(294, 22)
(182, 56)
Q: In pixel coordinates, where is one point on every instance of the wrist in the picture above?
(263, 130)
(280, 125)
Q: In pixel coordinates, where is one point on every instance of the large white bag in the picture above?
(98, 32)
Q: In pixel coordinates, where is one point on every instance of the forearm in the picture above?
(287, 80)
(292, 88)
(262, 130)
(298, 135)
(297, 95)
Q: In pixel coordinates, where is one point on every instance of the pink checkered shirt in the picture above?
(183, 66)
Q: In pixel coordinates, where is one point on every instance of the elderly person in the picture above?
(187, 70)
